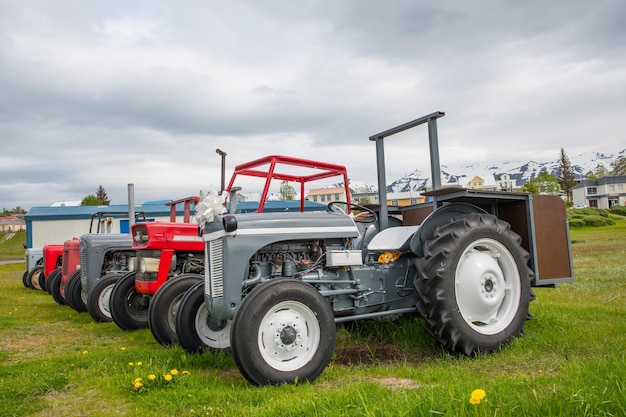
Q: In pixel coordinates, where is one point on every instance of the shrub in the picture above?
(597, 221)
(619, 210)
(579, 222)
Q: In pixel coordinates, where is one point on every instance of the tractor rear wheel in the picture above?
(283, 332)
(164, 307)
(74, 292)
(56, 289)
(99, 296)
(196, 329)
(473, 284)
(129, 308)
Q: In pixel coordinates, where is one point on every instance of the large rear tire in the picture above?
(283, 332)
(196, 329)
(129, 308)
(164, 307)
(99, 296)
(473, 284)
(74, 292)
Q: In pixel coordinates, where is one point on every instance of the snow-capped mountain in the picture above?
(520, 172)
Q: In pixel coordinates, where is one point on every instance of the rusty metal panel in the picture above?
(413, 216)
(554, 252)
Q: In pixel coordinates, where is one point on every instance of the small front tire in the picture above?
(283, 332)
(164, 307)
(74, 292)
(129, 308)
(196, 329)
(99, 296)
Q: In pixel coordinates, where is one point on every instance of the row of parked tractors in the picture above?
(272, 286)
(125, 278)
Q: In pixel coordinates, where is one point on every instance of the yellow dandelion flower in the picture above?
(122, 348)
(174, 372)
(137, 380)
(152, 377)
(167, 377)
(131, 364)
(477, 396)
(185, 372)
(138, 385)
(139, 363)
(85, 352)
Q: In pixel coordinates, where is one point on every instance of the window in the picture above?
(414, 201)
(611, 187)
(592, 191)
(620, 187)
(394, 202)
(322, 198)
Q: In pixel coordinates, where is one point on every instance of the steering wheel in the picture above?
(366, 215)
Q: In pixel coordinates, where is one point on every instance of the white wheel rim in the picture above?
(104, 299)
(487, 286)
(289, 335)
(210, 332)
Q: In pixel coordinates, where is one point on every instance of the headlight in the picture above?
(132, 264)
(149, 265)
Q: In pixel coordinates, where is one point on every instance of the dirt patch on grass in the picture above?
(373, 354)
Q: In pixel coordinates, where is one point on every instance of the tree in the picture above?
(530, 187)
(287, 192)
(101, 195)
(544, 183)
(600, 171)
(619, 167)
(91, 200)
(566, 175)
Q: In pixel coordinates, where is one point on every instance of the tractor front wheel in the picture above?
(99, 296)
(74, 292)
(474, 284)
(33, 278)
(57, 289)
(283, 332)
(129, 308)
(164, 307)
(49, 280)
(196, 329)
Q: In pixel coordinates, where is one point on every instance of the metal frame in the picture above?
(435, 165)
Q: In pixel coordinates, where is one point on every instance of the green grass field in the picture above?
(572, 362)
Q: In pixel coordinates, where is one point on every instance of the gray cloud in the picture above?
(115, 93)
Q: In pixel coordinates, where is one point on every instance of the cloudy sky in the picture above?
(143, 92)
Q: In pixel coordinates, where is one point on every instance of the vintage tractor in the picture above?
(70, 262)
(99, 253)
(464, 262)
(195, 328)
(164, 250)
(170, 259)
(52, 261)
(34, 267)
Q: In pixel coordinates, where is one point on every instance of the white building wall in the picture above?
(51, 232)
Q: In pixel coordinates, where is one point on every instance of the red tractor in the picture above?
(164, 250)
(52, 261)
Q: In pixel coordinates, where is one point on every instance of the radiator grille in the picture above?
(214, 268)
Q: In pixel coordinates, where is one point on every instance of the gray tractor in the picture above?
(276, 284)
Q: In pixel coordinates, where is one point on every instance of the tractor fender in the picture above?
(440, 216)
